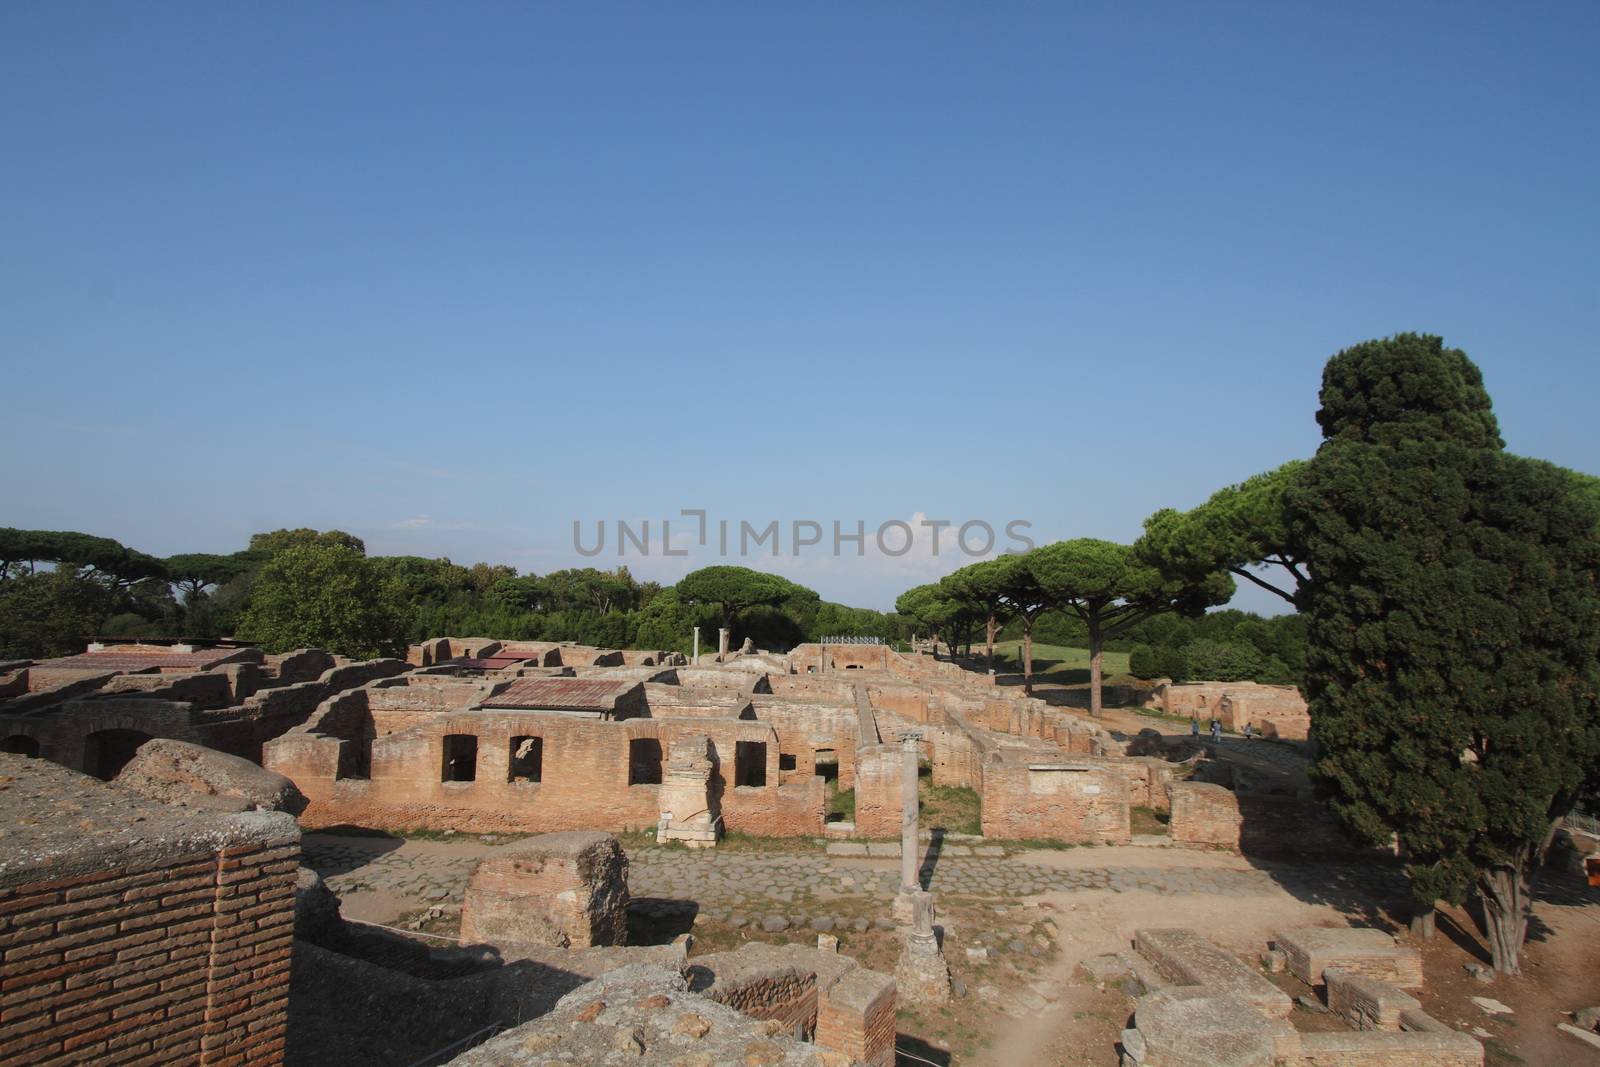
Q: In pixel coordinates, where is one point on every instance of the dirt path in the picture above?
(1082, 1026)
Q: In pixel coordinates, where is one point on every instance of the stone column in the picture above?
(722, 643)
(909, 850)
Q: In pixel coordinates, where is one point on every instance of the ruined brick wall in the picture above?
(841, 658)
(1203, 814)
(1072, 801)
(788, 995)
(208, 690)
(164, 951)
(956, 757)
(583, 784)
(805, 726)
(1258, 824)
(877, 785)
(301, 665)
(908, 702)
(856, 1016)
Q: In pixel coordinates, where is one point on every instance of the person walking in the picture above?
(1194, 728)
(1216, 730)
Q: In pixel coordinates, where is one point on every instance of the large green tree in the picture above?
(322, 596)
(1110, 588)
(1453, 627)
(1024, 599)
(278, 540)
(49, 613)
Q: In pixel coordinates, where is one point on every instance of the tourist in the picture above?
(1249, 732)
(1194, 728)
(1216, 730)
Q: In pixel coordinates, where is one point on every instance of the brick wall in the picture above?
(1068, 801)
(121, 949)
(789, 996)
(583, 783)
(856, 1016)
(877, 785)
(1203, 814)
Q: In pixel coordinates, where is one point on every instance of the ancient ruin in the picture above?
(156, 796)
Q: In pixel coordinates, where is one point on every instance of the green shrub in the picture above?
(1206, 660)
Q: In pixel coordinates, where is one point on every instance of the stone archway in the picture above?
(106, 752)
(21, 745)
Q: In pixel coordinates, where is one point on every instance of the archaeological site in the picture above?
(501, 852)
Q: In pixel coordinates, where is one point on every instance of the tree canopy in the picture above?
(1239, 529)
(734, 590)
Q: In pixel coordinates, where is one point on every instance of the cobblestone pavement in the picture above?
(747, 879)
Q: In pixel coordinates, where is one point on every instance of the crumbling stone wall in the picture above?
(1203, 814)
(163, 940)
(176, 772)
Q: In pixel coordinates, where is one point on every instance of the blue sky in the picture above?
(453, 276)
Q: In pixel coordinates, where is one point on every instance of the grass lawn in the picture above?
(1058, 663)
(955, 809)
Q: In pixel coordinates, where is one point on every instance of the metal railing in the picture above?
(851, 641)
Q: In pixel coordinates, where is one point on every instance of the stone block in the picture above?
(1381, 1048)
(1189, 959)
(1205, 1031)
(1367, 1003)
(1313, 949)
(568, 889)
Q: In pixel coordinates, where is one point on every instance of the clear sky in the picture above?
(451, 276)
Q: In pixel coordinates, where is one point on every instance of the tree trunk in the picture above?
(1504, 891)
(1422, 922)
(1096, 658)
(988, 634)
(1027, 657)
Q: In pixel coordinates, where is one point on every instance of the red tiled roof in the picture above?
(201, 660)
(589, 694)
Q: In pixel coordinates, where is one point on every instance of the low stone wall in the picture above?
(786, 995)
(1367, 1003)
(1067, 800)
(1378, 1048)
(845, 1007)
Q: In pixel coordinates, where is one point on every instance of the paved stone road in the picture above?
(747, 879)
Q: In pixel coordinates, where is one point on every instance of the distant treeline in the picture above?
(308, 587)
